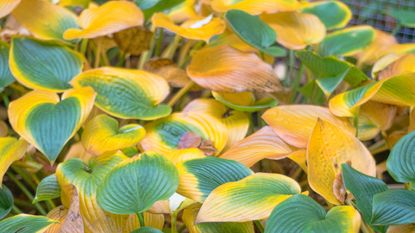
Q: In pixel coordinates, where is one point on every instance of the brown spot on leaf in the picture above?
(192, 140)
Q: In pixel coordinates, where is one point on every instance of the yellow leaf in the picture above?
(264, 143)
(108, 18)
(376, 49)
(223, 68)
(6, 6)
(11, 150)
(255, 7)
(329, 147)
(299, 157)
(295, 123)
(194, 29)
(296, 30)
(404, 64)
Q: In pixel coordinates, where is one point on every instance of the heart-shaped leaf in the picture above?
(110, 17)
(6, 6)
(334, 14)
(198, 177)
(394, 207)
(255, 7)
(47, 121)
(24, 223)
(47, 22)
(6, 77)
(401, 161)
(244, 101)
(347, 42)
(127, 93)
(302, 214)
(102, 134)
(11, 150)
(136, 184)
(6, 201)
(50, 66)
(251, 198)
(47, 189)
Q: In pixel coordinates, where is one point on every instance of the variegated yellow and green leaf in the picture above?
(397, 90)
(329, 147)
(6, 201)
(47, 22)
(189, 218)
(347, 42)
(244, 101)
(50, 66)
(11, 150)
(255, 7)
(108, 18)
(251, 198)
(302, 214)
(127, 93)
(25, 223)
(295, 123)
(103, 134)
(48, 121)
(6, 77)
(47, 189)
(334, 14)
(264, 143)
(137, 183)
(198, 177)
(186, 130)
(377, 49)
(393, 65)
(87, 178)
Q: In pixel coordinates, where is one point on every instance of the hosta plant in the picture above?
(204, 116)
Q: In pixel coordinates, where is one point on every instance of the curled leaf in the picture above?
(11, 150)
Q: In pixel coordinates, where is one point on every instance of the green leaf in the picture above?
(161, 6)
(6, 77)
(329, 72)
(363, 188)
(404, 17)
(147, 230)
(334, 14)
(6, 201)
(43, 65)
(47, 189)
(24, 223)
(259, 105)
(401, 161)
(302, 214)
(135, 185)
(198, 177)
(347, 42)
(394, 207)
(254, 31)
(146, 4)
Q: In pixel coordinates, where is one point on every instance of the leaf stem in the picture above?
(259, 226)
(171, 49)
(173, 222)
(140, 217)
(180, 93)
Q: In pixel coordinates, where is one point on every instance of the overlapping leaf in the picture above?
(339, 15)
(11, 150)
(254, 7)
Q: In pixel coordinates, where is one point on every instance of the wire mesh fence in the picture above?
(374, 12)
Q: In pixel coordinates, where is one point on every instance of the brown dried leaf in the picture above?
(134, 41)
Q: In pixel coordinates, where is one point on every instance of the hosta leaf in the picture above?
(328, 148)
(6, 201)
(244, 101)
(86, 178)
(195, 29)
(75, 3)
(24, 223)
(401, 161)
(186, 130)
(254, 7)
(329, 72)
(103, 134)
(252, 30)
(6, 77)
(404, 17)
(136, 184)
(11, 150)
(363, 188)
(147, 230)
(296, 30)
(264, 143)
(347, 42)
(302, 214)
(398, 90)
(189, 219)
(47, 22)
(47, 189)
(393, 207)
(302, 119)
(399, 65)
(406, 228)
(108, 18)
(334, 14)
(127, 93)
(198, 177)
(161, 6)
(36, 113)
(223, 68)
(50, 66)
(6, 6)
(251, 198)
(145, 4)
(377, 49)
